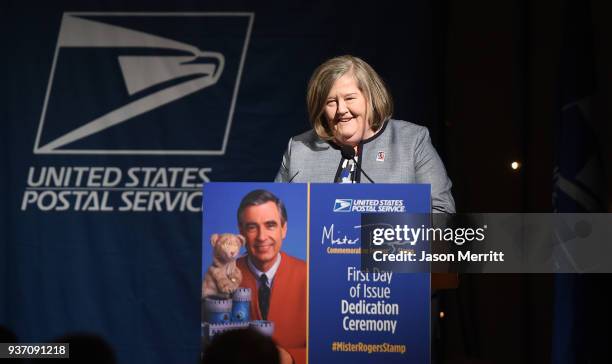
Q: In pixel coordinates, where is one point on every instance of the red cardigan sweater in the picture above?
(288, 303)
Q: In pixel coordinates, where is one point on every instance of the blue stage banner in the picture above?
(357, 316)
(115, 113)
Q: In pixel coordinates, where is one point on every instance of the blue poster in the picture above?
(252, 230)
(307, 238)
(360, 317)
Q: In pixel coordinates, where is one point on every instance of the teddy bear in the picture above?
(223, 277)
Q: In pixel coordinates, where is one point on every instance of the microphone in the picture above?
(348, 152)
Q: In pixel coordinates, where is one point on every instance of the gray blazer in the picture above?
(408, 157)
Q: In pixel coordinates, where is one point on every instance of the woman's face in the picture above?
(346, 111)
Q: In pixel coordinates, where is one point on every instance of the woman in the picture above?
(353, 135)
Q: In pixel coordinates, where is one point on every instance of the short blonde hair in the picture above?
(379, 102)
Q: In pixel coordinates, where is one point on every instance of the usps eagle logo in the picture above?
(343, 205)
(143, 83)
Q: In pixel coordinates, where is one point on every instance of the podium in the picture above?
(352, 314)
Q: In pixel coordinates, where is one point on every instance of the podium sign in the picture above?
(351, 315)
(362, 317)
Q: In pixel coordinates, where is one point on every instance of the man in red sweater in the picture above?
(277, 280)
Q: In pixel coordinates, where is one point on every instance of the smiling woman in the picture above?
(350, 108)
(345, 111)
(347, 100)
